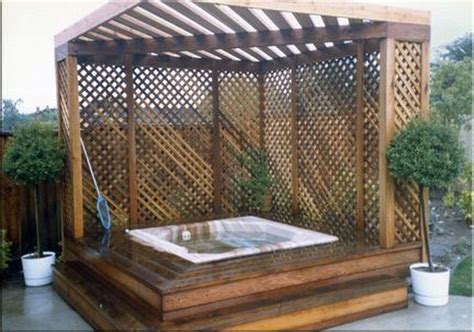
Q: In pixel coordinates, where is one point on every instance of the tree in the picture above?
(429, 154)
(451, 92)
(459, 49)
(34, 155)
(10, 114)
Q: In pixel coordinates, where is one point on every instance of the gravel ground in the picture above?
(451, 237)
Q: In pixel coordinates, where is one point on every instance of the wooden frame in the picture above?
(399, 26)
(169, 96)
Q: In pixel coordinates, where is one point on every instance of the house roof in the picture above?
(236, 30)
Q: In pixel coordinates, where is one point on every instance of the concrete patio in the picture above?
(42, 309)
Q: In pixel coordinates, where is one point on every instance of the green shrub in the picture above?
(449, 199)
(451, 92)
(429, 154)
(34, 155)
(466, 205)
(5, 250)
(467, 193)
(256, 187)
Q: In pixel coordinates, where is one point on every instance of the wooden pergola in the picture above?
(167, 97)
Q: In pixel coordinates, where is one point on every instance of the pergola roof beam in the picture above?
(148, 60)
(372, 12)
(249, 17)
(236, 40)
(220, 15)
(318, 55)
(200, 15)
(170, 24)
(149, 24)
(234, 16)
(137, 25)
(95, 19)
(226, 16)
(279, 52)
(225, 64)
(261, 53)
(187, 18)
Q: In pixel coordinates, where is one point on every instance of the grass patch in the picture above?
(461, 282)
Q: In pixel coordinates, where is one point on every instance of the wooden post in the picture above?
(261, 110)
(386, 130)
(425, 109)
(132, 148)
(76, 154)
(360, 137)
(60, 185)
(216, 143)
(294, 139)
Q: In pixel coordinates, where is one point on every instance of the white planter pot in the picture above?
(430, 288)
(38, 271)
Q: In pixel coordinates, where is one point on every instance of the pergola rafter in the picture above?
(326, 80)
(228, 42)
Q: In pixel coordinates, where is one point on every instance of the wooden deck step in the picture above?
(321, 308)
(100, 304)
(106, 307)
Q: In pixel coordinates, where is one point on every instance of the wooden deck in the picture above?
(274, 290)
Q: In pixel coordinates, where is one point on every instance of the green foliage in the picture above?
(5, 250)
(451, 92)
(459, 49)
(466, 205)
(449, 199)
(461, 283)
(257, 186)
(12, 118)
(427, 153)
(467, 193)
(34, 155)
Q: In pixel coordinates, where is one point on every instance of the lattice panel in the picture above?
(407, 93)
(64, 132)
(103, 110)
(371, 146)
(326, 141)
(239, 120)
(277, 140)
(173, 134)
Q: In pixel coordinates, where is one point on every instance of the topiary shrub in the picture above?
(34, 155)
(429, 154)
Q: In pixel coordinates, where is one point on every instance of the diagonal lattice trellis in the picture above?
(277, 140)
(326, 141)
(371, 146)
(103, 111)
(407, 92)
(64, 132)
(239, 122)
(173, 135)
(173, 117)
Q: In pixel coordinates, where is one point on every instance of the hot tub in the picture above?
(227, 238)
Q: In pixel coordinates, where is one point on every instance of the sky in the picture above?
(28, 29)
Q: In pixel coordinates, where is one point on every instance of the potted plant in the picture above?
(428, 154)
(35, 155)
